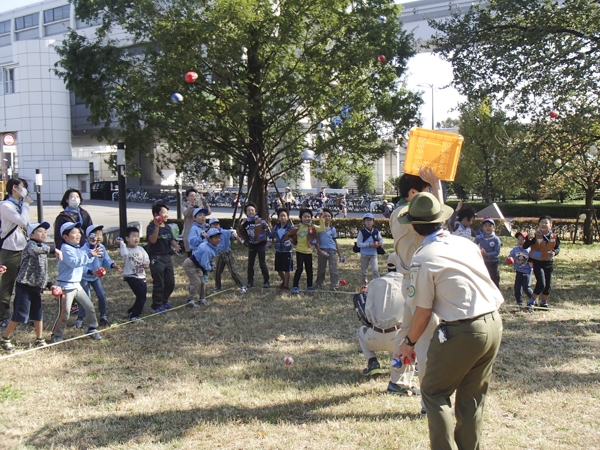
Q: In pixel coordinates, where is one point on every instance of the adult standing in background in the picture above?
(193, 199)
(448, 277)
(72, 212)
(288, 199)
(14, 213)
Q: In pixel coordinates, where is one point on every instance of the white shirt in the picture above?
(10, 216)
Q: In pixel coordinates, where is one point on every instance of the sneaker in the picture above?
(310, 288)
(520, 303)
(266, 284)
(544, 305)
(74, 309)
(56, 339)
(249, 284)
(191, 303)
(79, 323)
(423, 411)
(243, 290)
(166, 306)
(318, 286)
(205, 277)
(6, 344)
(40, 342)
(30, 323)
(160, 309)
(135, 319)
(203, 302)
(104, 320)
(334, 288)
(393, 388)
(4, 323)
(530, 304)
(295, 290)
(215, 289)
(363, 289)
(93, 332)
(372, 369)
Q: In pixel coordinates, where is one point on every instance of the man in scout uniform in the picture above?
(449, 278)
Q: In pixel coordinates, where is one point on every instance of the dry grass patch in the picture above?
(215, 377)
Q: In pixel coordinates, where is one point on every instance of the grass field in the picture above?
(215, 378)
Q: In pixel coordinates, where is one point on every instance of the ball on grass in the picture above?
(288, 360)
(558, 162)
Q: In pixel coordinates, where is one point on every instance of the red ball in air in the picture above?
(190, 77)
(381, 58)
(554, 114)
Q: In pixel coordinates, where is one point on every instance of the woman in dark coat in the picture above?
(73, 212)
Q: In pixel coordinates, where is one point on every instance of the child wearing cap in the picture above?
(489, 244)
(70, 273)
(544, 245)
(368, 241)
(519, 259)
(225, 257)
(328, 251)
(193, 201)
(306, 238)
(283, 248)
(198, 265)
(94, 271)
(32, 279)
(197, 233)
(161, 243)
(134, 271)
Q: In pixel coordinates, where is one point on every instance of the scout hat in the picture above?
(424, 208)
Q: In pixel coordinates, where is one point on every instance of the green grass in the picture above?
(215, 378)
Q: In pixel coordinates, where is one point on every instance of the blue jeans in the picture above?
(522, 281)
(99, 290)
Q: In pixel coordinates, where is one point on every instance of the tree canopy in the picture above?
(275, 78)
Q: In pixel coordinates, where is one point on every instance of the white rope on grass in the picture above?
(112, 327)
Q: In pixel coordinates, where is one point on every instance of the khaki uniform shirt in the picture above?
(385, 302)
(450, 277)
(406, 242)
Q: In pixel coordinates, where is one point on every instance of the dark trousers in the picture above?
(494, 271)
(12, 261)
(522, 284)
(223, 260)
(303, 260)
(253, 252)
(140, 290)
(543, 277)
(163, 279)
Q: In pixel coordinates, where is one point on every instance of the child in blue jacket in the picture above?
(225, 256)
(93, 271)
(519, 259)
(490, 248)
(198, 265)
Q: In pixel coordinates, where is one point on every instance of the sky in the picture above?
(423, 69)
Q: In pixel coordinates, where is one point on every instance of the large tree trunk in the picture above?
(588, 235)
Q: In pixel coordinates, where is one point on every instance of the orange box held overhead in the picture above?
(435, 149)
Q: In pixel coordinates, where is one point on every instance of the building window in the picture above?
(30, 21)
(56, 14)
(5, 33)
(7, 77)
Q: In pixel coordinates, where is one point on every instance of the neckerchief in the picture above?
(19, 204)
(436, 236)
(77, 211)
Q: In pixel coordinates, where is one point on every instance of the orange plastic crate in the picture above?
(435, 149)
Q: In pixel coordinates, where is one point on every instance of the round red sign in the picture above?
(9, 139)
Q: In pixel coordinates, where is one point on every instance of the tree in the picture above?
(271, 76)
(365, 179)
(449, 122)
(539, 58)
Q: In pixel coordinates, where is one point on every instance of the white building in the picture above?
(42, 126)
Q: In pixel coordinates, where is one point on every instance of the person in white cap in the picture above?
(288, 198)
(369, 240)
(198, 265)
(384, 308)
(94, 271)
(448, 277)
(32, 279)
(70, 273)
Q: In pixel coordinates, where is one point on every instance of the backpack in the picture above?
(360, 300)
(7, 235)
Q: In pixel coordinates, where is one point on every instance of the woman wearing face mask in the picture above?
(73, 212)
(14, 213)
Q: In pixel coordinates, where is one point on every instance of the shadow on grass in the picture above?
(168, 426)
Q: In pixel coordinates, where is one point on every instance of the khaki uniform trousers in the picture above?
(463, 364)
(371, 341)
(197, 286)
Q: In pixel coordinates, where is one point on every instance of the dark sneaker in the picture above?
(79, 323)
(249, 284)
(531, 304)
(215, 289)
(191, 303)
(135, 319)
(544, 305)
(372, 369)
(93, 334)
(266, 284)
(423, 411)
(166, 306)
(295, 290)
(520, 303)
(104, 320)
(40, 342)
(6, 344)
(160, 309)
(56, 339)
(310, 288)
(243, 290)
(4, 323)
(203, 302)
(393, 388)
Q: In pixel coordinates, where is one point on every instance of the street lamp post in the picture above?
(38, 193)
(430, 86)
(122, 188)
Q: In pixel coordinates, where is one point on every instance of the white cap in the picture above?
(89, 230)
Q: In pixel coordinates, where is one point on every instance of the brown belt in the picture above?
(387, 330)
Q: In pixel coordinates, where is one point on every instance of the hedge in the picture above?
(554, 210)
